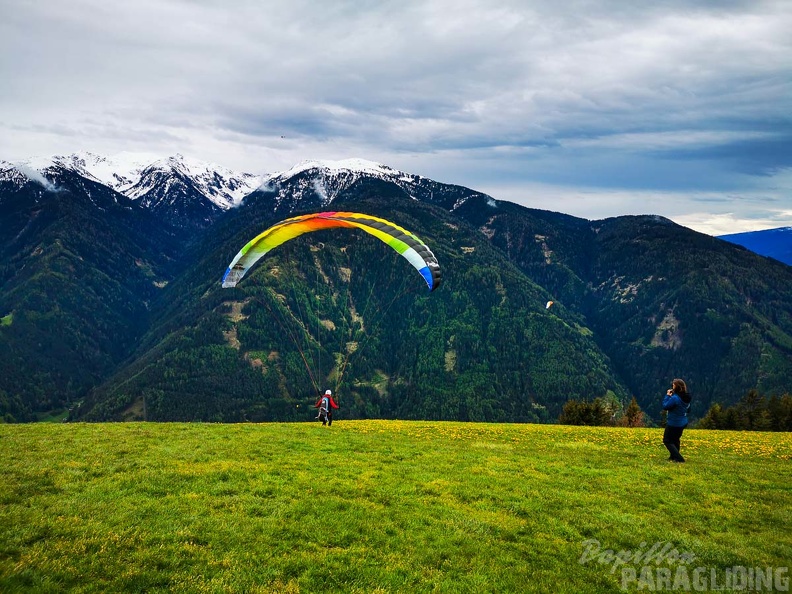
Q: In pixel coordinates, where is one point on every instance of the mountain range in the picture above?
(773, 243)
(111, 305)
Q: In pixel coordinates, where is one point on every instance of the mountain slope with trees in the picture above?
(79, 266)
(117, 306)
(482, 347)
(662, 300)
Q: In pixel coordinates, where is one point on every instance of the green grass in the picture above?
(7, 320)
(375, 506)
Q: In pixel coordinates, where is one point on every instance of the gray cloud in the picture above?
(681, 96)
(752, 156)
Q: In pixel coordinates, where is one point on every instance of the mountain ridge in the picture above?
(636, 299)
(127, 173)
(774, 243)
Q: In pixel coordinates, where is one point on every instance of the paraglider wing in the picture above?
(549, 303)
(405, 243)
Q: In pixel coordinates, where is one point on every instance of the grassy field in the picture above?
(380, 506)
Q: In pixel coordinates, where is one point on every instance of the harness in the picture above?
(324, 407)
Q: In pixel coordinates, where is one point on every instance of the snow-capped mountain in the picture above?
(327, 179)
(224, 187)
(144, 176)
(13, 174)
(186, 192)
(118, 171)
(190, 193)
(316, 184)
(344, 168)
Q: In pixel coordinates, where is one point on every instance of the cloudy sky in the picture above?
(595, 108)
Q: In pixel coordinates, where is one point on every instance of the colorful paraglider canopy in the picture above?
(405, 243)
(549, 303)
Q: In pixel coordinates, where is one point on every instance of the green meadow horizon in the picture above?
(385, 506)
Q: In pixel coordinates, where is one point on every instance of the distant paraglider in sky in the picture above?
(549, 303)
(405, 243)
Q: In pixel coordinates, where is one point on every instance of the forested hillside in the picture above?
(79, 266)
(116, 311)
(340, 309)
(663, 301)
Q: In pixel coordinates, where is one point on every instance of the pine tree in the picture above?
(749, 410)
(713, 419)
(571, 413)
(633, 415)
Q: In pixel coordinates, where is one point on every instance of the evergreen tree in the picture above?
(752, 413)
(595, 413)
(713, 419)
(749, 410)
(633, 415)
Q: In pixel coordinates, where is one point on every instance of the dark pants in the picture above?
(671, 442)
(329, 418)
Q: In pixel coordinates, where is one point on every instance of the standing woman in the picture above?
(676, 402)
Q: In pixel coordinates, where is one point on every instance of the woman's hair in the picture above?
(679, 386)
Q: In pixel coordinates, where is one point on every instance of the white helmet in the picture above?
(328, 393)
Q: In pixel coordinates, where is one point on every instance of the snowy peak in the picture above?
(186, 189)
(342, 167)
(118, 171)
(222, 186)
(136, 174)
(10, 173)
(20, 174)
(316, 183)
(339, 173)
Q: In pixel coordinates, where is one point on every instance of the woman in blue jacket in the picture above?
(676, 402)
